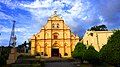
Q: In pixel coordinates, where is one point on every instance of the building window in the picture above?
(55, 36)
(57, 25)
(38, 35)
(41, 53)
(87, 42)
(53, 25)
(65, 54)
(91, 34)
(37, 54)
(45, 54)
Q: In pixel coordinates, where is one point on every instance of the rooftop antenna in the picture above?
(12, 41)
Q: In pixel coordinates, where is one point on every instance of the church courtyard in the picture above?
(54, 62)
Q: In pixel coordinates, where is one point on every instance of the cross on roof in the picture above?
(55, 12)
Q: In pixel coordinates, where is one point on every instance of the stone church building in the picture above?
(55, 39)
(96, 38)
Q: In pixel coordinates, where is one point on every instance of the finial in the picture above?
(55, 12)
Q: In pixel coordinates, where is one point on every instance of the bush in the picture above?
(110, 53)
(2, 60)
(4, 55)
(79, 51)
(82, 53)
(25, 57)
(91, 55)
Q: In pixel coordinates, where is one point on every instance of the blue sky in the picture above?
(31, 15)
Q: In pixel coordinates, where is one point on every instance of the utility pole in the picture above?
(12, 41)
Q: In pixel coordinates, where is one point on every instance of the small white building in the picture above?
(96, 38)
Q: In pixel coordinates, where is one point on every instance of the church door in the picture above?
(55, 52)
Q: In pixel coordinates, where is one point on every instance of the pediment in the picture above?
(55, 44)
(56, 17)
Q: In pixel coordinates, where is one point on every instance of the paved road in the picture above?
(60, 64)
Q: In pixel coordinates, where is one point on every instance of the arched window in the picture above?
(57, 25)
(91, 34)
(65, 54)
(53, 25)
(55, 36)
(38, 35)
(87, 42)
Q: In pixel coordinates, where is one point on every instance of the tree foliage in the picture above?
(79, 51)
(23, 48)
(110, 53)
(98, 28)
(91, 55)
(4, 55)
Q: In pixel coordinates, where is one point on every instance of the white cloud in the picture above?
(101, 18)
(76, 9)
(20, 29)
(6, 29)
(4, 16)
(44, 8)
(38, 4)
(41, 9)
(84, 18)
(10, 4)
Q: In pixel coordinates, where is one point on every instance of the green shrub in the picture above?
(110, 53)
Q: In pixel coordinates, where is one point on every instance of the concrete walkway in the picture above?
(59, 64)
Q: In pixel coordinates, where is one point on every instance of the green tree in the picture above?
(25, 44)
(79, 51)
(29, 43)
(4, 55)
(98, 28)
(20, 48)
(23, 47)
(110, 53)
(91, 55)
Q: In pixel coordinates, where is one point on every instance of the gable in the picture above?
(56, 17)
(54, 21)
(66, 26)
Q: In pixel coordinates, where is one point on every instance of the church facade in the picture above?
(55, 39)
